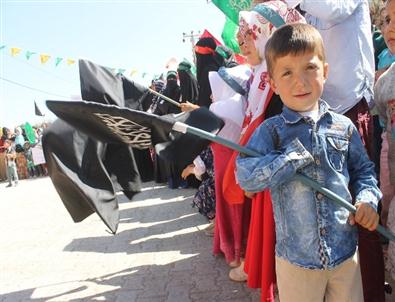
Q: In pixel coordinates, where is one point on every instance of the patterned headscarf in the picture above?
(263, 20)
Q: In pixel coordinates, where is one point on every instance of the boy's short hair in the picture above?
(293, 39)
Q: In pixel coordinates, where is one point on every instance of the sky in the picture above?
(128, 34)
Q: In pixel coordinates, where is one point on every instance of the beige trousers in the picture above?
(340, 284)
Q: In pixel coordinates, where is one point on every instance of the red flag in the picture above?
(206, 34)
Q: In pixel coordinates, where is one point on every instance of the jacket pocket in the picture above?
(336, 150)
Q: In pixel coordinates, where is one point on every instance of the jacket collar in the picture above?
(292, 117)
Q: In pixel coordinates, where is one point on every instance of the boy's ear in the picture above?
(273, 85)
(326, 71)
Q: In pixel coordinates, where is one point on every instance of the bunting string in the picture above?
(16, 52)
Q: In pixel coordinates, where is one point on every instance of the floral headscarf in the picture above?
(263, 20)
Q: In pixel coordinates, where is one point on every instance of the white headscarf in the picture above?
(261, 29)
(228, 103)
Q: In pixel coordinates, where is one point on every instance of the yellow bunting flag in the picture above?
(70, 61)
(44, 58)
(133, 72)
(15, 51)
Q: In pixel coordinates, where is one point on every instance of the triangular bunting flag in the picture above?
(44, 58)
(70, 61)
(57, 61)
(133, 72)
(29, 54)
(2, 47)
(15, 51)
(121, 70)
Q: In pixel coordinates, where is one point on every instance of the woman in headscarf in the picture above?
(188, 83)
(19, 139)
(206, 60)
(173, 91)
(255, 28)
(6, 134)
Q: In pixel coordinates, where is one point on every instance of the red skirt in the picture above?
(231, 220)
(260, 262)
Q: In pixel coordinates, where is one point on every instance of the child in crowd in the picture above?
(10, 157)
(383, 90)
(316, 240)
(202, 167)
(385, 103)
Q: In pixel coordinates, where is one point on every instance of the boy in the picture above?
(316, 255)
(10, 156)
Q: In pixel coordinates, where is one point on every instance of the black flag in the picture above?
(85, 172)
(37, 110)
(112, 124)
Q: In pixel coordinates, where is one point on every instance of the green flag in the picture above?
(231, 8)
(229, 35)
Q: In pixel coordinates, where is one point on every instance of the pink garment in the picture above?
(388, 202)
(231, 221)
(386, 187)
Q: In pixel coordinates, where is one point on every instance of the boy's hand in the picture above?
(365, 216)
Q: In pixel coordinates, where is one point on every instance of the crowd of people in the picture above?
(315, 96)
(21, 154)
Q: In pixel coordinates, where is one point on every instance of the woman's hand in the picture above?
(187, 171)
(185, 107)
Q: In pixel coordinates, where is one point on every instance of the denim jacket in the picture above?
(311, 230)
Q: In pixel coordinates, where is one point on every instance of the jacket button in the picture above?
(322, 231)
(317, 161)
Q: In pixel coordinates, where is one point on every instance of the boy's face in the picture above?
(388, 29)
(299, 80)
(248, 49)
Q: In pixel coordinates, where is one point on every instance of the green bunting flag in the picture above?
(57, 61)
(121, 70)
(29, 54)
(231, 8)
(2, 47)
(229, 35)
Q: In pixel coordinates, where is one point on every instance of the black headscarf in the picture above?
(206, 60)
(188, 83)
(173, 91)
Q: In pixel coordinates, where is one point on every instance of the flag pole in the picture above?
(164, 97)
(184, 128)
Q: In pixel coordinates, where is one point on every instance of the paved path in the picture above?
(158, 254)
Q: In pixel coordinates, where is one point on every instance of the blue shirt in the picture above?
(311, 230)
(345, 28)
(386, 58)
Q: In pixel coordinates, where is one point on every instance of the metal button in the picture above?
(317, 161)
